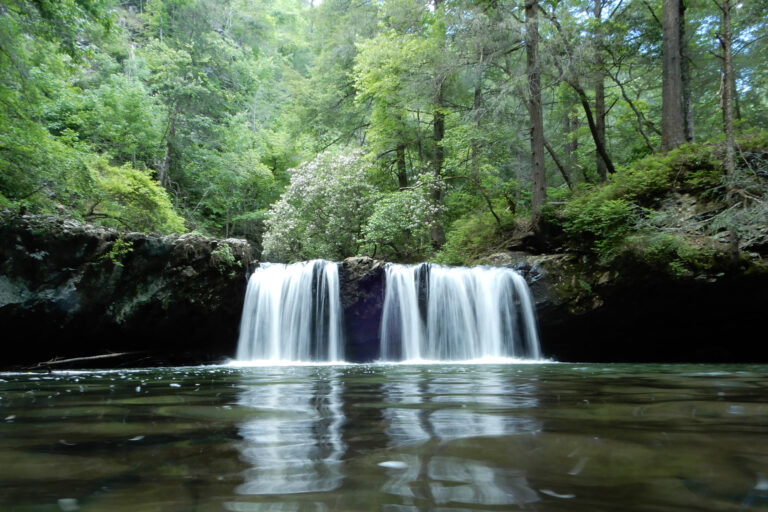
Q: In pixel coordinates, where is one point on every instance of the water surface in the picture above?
(447, 438)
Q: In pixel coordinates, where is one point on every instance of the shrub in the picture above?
(322, 212)
(128, 198)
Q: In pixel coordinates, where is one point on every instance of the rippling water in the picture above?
(449, 438)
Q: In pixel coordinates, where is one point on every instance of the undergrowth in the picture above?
(665, 211)
(618, 219)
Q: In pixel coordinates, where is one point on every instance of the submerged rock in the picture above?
(69, 289)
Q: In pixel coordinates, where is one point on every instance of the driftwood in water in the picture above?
(85, 359)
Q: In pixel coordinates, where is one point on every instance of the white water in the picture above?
(436, 313)
(292, 313)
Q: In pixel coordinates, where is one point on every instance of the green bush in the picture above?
(470, 237)
(668, 252)
(603, 223)
(128, 198)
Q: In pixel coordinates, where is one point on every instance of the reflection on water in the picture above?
(553, 438)
(458, 481)
(422, 407)
(294, 445)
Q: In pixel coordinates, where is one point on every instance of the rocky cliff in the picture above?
(626, 312)
(72, 290)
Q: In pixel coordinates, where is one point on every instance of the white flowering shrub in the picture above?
(323, 210)
(398, 229)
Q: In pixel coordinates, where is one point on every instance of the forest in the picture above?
(405, 130)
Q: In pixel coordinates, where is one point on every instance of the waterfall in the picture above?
(432, 312)
(292, 313)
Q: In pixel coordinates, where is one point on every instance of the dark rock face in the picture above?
(362, 297)
(635, 314)
(69, 289)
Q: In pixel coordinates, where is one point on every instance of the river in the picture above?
(393, 438)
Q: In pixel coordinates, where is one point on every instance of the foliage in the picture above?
(322, 212)
(668, 252)
(625, 214)
(223, 258)
(128, 198)
(160, 114)
(603, 222)
(471, 237)
(119, 250)
(398, 228)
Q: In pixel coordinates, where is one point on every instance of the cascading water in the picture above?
(292, 313)
(441, 313)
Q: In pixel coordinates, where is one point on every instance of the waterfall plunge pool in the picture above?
(548, 437)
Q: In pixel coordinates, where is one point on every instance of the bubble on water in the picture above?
(137, 438)
(393, 464)
(68, 504)
(175, 385)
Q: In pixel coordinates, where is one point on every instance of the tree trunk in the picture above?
(730, 144)
(559, 164)
(437, 234)
(602, 169)
(162, 172)
(478, 101)
(672, 130)
(601, 150)
(402, 177)
(685, 77)
(538, 171)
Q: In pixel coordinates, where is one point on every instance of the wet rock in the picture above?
(361, 282)
(69, 289)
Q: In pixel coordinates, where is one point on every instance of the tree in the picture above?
(568, 69)
(602, 169)
(726, 41)
(672, 118)
(536, 117)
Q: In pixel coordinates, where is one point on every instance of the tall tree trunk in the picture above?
(672, 130)
(402, 176)
(730, 144)
(685, 77)
(478, 101)
(538, 171)
(437, 234)
(735, 92)
(602, 169)
(162, 172)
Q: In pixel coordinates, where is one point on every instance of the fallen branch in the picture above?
(56, 361)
